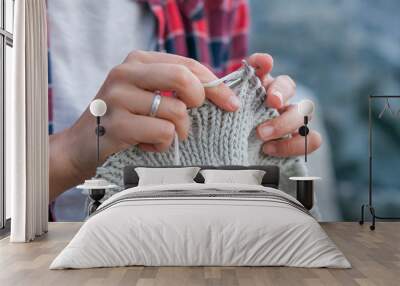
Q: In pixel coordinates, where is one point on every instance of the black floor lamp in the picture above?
(370, 202)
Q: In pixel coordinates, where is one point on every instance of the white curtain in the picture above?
(27, 124)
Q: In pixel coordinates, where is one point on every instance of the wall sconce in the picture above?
(98, 108)
(97, 187)
(306, 109)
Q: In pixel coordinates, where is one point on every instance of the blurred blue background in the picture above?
(341, 51)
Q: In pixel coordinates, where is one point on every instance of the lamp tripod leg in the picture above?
(361, 222)
(372, 210)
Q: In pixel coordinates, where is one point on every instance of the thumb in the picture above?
(262, 63)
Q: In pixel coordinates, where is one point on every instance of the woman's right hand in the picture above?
(128, 92)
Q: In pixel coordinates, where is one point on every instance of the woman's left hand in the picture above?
(279, 90)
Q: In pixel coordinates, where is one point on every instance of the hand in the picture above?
(279, 91)
(128, 92)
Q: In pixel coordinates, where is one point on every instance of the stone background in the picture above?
(343, 50)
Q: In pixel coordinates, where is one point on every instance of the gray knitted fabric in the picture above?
(216, 138)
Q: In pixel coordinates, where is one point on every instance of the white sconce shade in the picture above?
(306, 107)
(98, 107)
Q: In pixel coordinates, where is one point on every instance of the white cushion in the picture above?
(163, 176)
(248, 177)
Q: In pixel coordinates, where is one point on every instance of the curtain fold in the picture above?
(27, 118)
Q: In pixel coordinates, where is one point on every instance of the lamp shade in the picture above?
(306, 107)
(98, 107)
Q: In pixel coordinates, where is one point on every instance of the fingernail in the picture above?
(279, 96)
(234, 102)
(270, 149)
(266, 132)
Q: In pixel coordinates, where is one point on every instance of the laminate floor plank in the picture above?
(374, 255)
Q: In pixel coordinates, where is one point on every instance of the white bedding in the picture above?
(190, 230)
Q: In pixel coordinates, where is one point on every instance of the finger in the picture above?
(267, 80)
(220, 95)
(139, 101)
(148, 147)
(163, 77)
(262, 63)
(141, 129)
(293, 146)
(279, 91)
(286, 123)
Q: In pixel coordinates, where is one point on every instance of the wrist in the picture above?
(80, 149)
(71, 161)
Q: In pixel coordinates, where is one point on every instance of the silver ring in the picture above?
(155, 104)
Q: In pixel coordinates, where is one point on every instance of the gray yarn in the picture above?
(216, 138)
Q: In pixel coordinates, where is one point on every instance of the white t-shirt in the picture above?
(88, 38)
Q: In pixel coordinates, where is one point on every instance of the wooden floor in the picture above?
(375, 257)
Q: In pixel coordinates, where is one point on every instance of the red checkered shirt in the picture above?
(212, 32)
